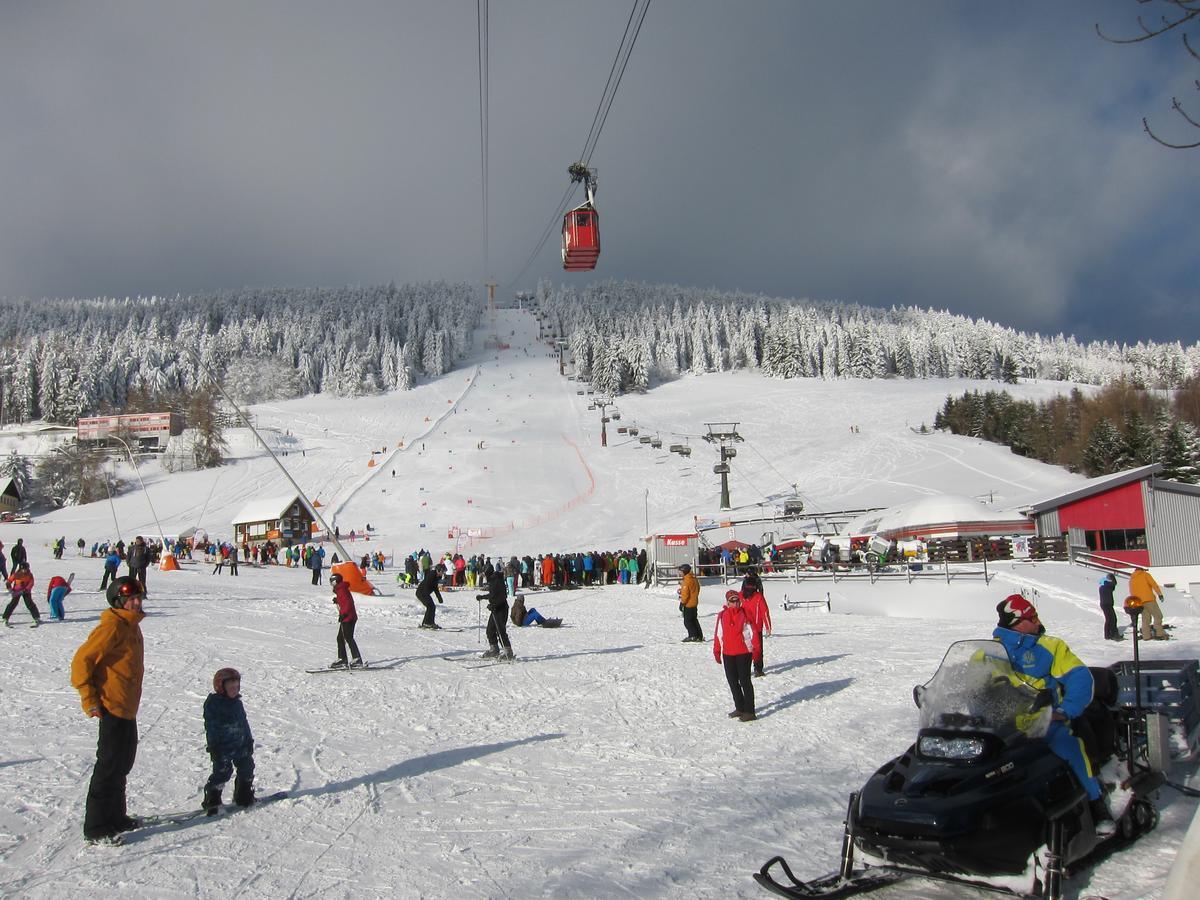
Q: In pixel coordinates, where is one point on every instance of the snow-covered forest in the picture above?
(625, 336)
(62, 359)
(66, 358)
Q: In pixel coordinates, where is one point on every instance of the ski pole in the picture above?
(478, 620)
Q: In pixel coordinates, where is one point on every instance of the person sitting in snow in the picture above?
(522, 617)
(229, 742)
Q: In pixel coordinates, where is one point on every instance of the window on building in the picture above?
(1117, 539)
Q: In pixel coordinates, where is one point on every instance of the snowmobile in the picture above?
(980, 799)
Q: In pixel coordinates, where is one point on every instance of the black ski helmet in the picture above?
(334, 579)
(121, 589)
(222, 676)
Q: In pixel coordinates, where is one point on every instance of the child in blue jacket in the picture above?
(229, 741)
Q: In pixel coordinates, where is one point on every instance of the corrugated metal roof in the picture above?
(1092, 487)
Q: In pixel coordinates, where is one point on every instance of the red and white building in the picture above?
(150, 431)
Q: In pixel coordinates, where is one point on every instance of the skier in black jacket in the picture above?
(425, 591)
(497, 627)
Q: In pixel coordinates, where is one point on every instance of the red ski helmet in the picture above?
(222, 676)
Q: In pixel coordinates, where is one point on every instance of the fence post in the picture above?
(946, 563)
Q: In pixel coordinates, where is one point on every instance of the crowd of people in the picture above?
(107, 669)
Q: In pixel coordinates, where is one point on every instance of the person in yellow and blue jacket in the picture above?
(1046, 662)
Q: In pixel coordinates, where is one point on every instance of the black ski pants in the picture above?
(346, 636)
(1110, 621)
(29, 605)
(115, 753)
(316, 576)
(110, 574)
(497, 627)
(427, 602)
(223, 765)
(737, 673)
(691, 621)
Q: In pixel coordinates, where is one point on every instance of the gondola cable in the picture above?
(620, 61)
(481, 27)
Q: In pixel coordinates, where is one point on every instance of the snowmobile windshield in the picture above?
(977, 689)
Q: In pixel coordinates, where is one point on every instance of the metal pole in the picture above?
(161, 536)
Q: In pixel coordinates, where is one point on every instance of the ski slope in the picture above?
(601, 763)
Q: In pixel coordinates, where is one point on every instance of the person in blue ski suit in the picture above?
(1046, 662)
(229, 742)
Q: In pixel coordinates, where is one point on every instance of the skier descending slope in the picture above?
(497, 627)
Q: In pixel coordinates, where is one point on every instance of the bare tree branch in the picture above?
(1187, 14)
(1146, 126)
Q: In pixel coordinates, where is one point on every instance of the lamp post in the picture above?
(647, 510)
(162, 537)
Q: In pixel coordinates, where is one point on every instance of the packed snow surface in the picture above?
(601, 763)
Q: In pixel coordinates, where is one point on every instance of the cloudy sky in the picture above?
(985, 158)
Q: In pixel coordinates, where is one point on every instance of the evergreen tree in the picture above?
(1141, 447)
(1180, 453)
(70, 475)
(1104, 450)
(203, 416)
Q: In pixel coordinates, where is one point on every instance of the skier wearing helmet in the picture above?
(347, 619)
(229, 742)
(107, 672)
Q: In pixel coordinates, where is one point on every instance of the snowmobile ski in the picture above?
(830, 886)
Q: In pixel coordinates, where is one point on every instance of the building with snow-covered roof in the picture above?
(10, 497)
(287, 519)
(941, 516)
(1131, 516)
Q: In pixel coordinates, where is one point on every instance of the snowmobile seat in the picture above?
(1097, 727)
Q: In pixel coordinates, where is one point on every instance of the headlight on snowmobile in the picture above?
(938, 747)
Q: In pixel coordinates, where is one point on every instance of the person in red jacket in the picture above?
(755, 605)
(733, 637)
(347, 618)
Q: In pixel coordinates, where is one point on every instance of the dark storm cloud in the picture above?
(954, 155)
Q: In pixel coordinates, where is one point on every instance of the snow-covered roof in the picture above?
(268, 508)
(935, 514)
(1093, 486)
(6, 484)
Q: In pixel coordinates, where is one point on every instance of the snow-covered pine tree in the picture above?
(1104, 449)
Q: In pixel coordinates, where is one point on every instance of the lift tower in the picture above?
(725, 435)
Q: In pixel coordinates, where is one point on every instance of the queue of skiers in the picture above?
(546, 570)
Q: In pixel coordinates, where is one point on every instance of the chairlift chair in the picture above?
(721, 469)
(633, 430)
(685, 451)
(656, 443)
(616, 415)
(644, 439)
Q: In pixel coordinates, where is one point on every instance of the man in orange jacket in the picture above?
(689, 605)
(107, 671)
(1143, 587)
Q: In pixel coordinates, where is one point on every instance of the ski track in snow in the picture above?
(601, 764)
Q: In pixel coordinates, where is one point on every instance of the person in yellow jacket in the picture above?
(107, 672)
(689, 605)
(1148, 594)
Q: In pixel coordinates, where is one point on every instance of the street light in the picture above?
(161, 536)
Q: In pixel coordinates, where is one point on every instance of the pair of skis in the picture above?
(192, 815)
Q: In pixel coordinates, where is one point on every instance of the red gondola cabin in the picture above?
(581, 239)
